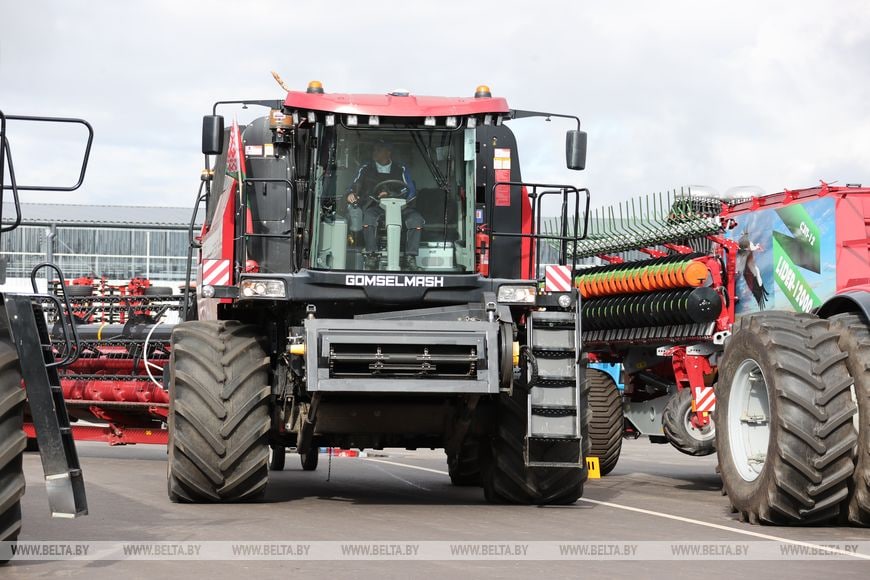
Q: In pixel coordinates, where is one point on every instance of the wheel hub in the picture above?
(749, 420)
(704, 432)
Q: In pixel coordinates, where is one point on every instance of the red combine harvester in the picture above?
(741, 324)
(368, 279)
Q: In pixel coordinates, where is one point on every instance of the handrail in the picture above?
(6, 156)
(537, 198)
(73, 344)
(85, 158)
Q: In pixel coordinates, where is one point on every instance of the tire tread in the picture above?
(606, 424)
(219, 413)
(808, 468)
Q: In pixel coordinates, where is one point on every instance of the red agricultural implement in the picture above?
(115, 389)
(741, 324)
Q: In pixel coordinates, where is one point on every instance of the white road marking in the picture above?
(409, 466)
(726, 528)
(673, 517)
(400, 478)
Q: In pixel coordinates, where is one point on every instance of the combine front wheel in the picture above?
(505, 476)
(506, 479)
(218, 413)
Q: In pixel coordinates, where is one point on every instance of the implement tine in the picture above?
(625, 226)
(661, 216)
(635, 217)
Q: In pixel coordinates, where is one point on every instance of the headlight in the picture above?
(261, 288)
(517, 294)
(565, 300)
(208, 291)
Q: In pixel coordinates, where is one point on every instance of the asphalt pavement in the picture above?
(396, 498)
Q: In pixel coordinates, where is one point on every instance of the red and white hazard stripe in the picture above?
(705, 399)
(216, 272)
(558, 279)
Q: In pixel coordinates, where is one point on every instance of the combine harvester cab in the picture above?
(742, 326)
(317, 329)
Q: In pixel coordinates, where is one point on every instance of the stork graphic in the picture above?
(749, 269)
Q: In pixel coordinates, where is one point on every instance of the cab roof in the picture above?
(394, 105)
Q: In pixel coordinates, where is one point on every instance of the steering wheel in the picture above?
(392, 190)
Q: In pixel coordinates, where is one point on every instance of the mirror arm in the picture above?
(521, 114)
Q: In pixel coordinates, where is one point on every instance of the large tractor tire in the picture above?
(464, 466)
(681, 432)
(854, 334)
(606, 424)
(12, 442)
(506, 479)
(784, 427)
(218, 413)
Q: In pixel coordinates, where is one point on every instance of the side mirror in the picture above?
(212, 134)
(575, 149)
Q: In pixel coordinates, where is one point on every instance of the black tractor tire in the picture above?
(158, 291)
(219, 416)
(854, 333)
(13, 441)
(277, 458)
(464, 466)
(681, 434)
(784, 420)
(309, 460)
(505, 476)
(606, 423)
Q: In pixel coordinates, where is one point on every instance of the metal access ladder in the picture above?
(555, 402)
(64, 483)
(28, 329)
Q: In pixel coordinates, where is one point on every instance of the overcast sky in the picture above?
(773, 94)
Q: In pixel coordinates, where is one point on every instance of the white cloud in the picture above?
(671, 92)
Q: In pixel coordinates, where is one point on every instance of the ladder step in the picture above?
(553, 393)
(553, 396)
(560, 369)
(553, 422)
(537, 447)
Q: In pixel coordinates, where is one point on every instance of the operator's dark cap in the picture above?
(381, 144)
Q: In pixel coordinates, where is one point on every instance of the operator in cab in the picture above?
(365, 214)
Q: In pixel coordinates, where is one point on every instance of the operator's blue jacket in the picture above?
(368, 176)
